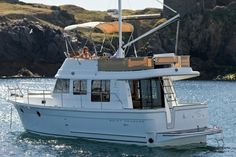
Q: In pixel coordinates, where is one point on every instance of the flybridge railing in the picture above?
(184, 102)
(175, 61)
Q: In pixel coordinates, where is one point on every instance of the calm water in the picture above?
(220, 96)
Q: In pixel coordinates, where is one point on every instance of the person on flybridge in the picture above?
(85, 53)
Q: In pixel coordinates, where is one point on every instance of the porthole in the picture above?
(21, 110)
(38, 113)
(150, 140)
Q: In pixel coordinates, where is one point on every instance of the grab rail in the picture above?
(27, 94)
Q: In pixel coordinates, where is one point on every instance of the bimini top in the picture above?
(113, 27)
(105, 27)
(82, 26)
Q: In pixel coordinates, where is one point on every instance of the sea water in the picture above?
(220, 96)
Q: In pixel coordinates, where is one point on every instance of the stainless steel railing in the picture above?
(28, 95)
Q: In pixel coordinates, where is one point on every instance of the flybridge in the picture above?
(141, 63)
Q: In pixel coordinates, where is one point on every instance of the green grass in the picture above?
(39, 13)
(229, 77)
(81, 15)
(9, 8)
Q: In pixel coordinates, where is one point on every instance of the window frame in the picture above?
(81, 88)
(102, 92)
(62, 86)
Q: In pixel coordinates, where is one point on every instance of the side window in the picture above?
(62, 86)
(135, 89)
(79, 87)
(100, 91)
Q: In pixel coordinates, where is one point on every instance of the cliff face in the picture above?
(210, 39)
(24, 44)
(209, 36)
(193, 7)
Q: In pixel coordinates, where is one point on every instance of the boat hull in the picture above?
(139, 127)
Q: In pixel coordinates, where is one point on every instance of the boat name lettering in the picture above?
(125, 121)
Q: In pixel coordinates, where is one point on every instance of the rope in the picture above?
(220, 137)
(11, 118)
(130, 37)
(110, 42)
(69, 43)
(103, 41)
(220, 140)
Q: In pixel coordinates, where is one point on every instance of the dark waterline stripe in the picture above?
(107, 134)
(89, 138)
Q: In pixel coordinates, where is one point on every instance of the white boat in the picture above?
(122, 100)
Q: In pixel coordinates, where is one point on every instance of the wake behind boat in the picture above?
(120, 100)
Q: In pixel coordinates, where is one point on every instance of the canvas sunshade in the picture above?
(105, 27)
(113, 27)
(83, 26)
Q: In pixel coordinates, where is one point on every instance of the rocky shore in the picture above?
(25, 44)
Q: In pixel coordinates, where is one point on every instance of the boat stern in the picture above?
(189, 125)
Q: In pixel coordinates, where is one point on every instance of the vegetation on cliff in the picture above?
(49, 15)
(227, 77)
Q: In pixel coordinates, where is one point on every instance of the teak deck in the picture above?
(142, 63)
(125, 64)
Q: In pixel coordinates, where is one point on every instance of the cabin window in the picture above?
(100, 91)
(62, 86)
(147, 93)
(79, 87)
(151, 93)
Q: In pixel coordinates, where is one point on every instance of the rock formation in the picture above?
(192, 7)
(24, 44)
(208, 35)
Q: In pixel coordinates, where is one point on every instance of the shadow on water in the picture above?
(81, 147)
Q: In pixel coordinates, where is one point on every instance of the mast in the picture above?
(121, 54)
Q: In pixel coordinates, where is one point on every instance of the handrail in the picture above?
(43, 94)
(191, 102)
